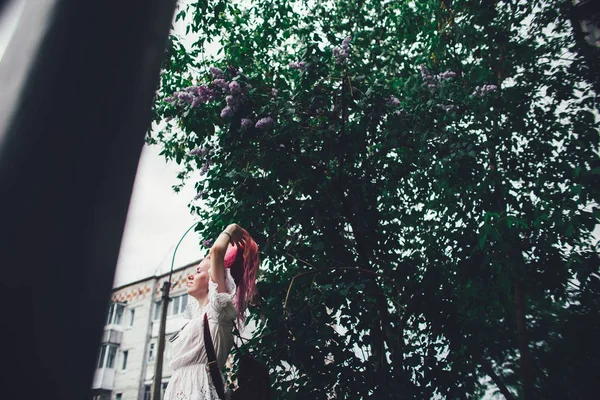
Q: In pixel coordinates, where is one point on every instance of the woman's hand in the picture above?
(238, 234)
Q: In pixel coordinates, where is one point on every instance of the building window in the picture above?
(151, 354)
(115, 314)
(101, 396)
(178, 304)
(110, 356)
(108, 353)
(173, 310)
(147, 392)
(124, 364)
(101, 357)
(131, 316)
(119, 396)
(157, 309)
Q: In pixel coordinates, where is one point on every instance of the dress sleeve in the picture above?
(220, 305)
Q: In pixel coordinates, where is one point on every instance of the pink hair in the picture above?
(243, 266)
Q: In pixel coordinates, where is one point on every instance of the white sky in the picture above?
(156, 220)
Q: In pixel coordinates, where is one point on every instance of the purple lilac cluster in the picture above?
(203, 152)
(216, 72)
(207, 243)
(484, 90)
(200, 151)
(447, 75)
(433, 81)
(425, 74)
(393, 101)
(265, 123)
(205, 167)
(194, 95)
(342, 52)
(198, 195)
(235, 94)
(221, 83)
(227, 112)
(300, 65)
(247, 123)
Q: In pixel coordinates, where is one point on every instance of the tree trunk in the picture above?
(526, 362)
(487, 367)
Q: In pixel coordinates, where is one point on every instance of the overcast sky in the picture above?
(156, 220)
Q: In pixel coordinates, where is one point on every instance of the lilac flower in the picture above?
(227, 112)
(197, 101)
(301, 65)
(264, 123)
(184, 97)
(199, 151)
(198, 195)
(207, 243)
(484, 90)
(342, 53)
(425, 74)
(222, 83)
(234, 87)
(168, 119)
(393, 101)
(216, 72)
(247, 123)
(432, 85)
(346, 43)
(191, 89)
(170, 99)
(205, 93)
(204, 169)
(231, 100)
(447, 75)
(274, 92)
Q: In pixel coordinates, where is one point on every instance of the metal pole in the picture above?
(157, 389)
(157, 385)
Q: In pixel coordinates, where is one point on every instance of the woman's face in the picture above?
(197, 282)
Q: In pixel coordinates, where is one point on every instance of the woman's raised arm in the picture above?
(233, 234)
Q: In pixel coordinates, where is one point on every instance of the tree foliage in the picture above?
(427, 175)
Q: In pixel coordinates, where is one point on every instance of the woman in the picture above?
(223, 283)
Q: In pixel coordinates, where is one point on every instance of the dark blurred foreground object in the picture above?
(77, 82)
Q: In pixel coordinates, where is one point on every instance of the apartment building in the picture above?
(127, 355)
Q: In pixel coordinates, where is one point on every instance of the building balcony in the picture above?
(112, 334)
(104, 379)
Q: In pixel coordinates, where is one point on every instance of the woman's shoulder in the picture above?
(221, 302)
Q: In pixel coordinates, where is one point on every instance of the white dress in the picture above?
(190, 379)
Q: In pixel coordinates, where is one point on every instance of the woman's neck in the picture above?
(203, 300)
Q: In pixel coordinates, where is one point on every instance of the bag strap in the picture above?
(213, 367)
